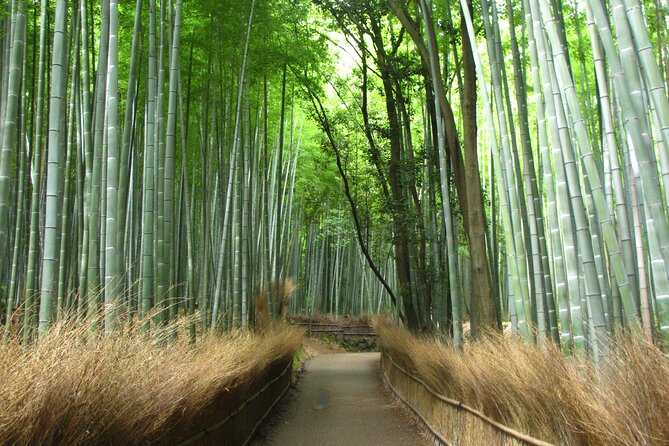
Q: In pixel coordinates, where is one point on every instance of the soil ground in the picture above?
(339, 400)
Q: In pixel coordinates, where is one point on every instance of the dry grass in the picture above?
(540, 392)
(283, 291)
(76, 387)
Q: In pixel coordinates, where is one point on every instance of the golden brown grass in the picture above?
(625, 401)
(77, 387)
(282, 290)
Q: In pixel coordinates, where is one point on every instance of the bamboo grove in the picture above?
(453, 162)
(149, 157)
(519, 151)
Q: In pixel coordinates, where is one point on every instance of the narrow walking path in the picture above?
(341, 401)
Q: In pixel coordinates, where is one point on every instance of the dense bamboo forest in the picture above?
(180, 179)
(454, 164)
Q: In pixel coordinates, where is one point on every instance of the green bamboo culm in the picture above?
(56, 109)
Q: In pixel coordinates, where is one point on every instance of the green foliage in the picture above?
(318, 186)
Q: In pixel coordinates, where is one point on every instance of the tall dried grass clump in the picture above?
(276, 295)
(77, 387)
(536, 390)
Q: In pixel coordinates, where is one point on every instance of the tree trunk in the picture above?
(483, 310)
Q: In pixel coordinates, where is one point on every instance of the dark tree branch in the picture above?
(324, 122)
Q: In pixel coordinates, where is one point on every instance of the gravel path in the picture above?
(340, 401)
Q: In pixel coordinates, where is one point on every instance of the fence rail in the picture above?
(239, 425)
(339, 331)
(450, 422)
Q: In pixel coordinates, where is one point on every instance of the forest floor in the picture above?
(339, 400)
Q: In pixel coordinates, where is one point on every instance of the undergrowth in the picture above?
(78, 387)
(537, 390)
